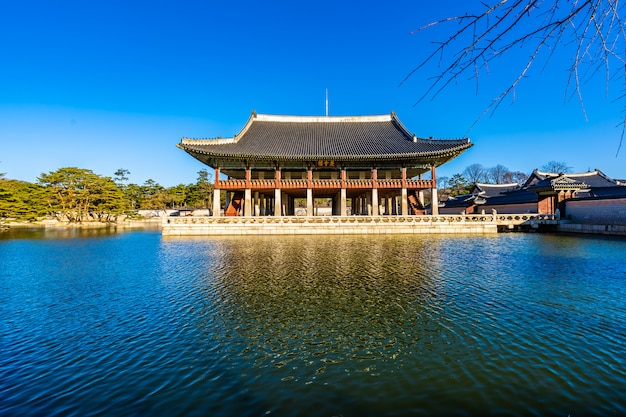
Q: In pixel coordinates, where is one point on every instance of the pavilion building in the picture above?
(370, 165)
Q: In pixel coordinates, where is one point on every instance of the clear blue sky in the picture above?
(116, 84)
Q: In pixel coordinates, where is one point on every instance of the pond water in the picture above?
(132, 323)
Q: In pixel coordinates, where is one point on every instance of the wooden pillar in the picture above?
(257, 206)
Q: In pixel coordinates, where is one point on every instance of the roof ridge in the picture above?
(321, 119)
(511, 184)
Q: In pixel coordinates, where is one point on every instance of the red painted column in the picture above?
(248, 177)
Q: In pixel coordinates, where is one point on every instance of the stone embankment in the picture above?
(129, 224)
(596, 229)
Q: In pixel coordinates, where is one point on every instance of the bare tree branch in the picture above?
(592, 30)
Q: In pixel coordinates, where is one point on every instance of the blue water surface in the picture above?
(98, 322)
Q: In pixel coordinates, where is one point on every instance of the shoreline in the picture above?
(564, 228)
(125, 224)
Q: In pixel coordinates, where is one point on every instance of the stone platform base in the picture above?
(302, 225)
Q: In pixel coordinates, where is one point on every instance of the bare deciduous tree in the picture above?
(515, 177)
(557, 167)
(497, 174)
(475, 173)
(593, 31)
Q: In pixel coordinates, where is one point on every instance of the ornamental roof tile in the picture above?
(293, 137)
(561, 182)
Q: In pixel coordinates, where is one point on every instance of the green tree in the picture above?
(21, 200)
(77, 195)
(108, 202)
(134, 196)
(458, 185)
(177, 195)
(121, 177)
(154, 196)
(205, 188)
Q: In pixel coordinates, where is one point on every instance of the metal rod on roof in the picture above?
(327, 102)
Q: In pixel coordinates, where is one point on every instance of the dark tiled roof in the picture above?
(618, 191)
(595, 178)
(513, 197)
(293, 137)
(517, 196)
(561, 182)
(462, 201)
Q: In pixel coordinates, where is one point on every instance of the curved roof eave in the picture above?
(386, 157)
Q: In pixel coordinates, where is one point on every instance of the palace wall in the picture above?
(596, 211)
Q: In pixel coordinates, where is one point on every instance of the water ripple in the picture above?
(135, 324)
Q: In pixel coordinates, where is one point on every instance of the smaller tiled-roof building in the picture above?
(543, 192)
(553, 189)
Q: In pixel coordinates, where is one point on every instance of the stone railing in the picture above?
(502, 219)
(526, 218)
(315, 225)
(444, 218)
